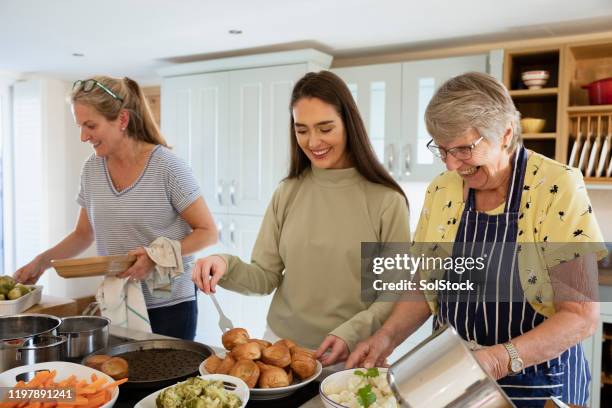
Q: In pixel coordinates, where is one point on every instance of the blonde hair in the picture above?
(141, 125)
(473, 101)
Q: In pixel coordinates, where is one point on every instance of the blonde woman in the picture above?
(133, 191)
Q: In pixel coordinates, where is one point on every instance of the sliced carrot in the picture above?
(67, 382)
(115, 383)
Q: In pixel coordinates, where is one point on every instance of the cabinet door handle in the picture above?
(220, 192)
(220, 229)
(391, 159)
(232, 191)
(232, 229)
(407, 160)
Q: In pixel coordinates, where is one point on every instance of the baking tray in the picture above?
(170, 372)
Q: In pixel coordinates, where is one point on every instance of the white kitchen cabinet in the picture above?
(259, 135)
(195, 117)
(420, 80)
(377, 90)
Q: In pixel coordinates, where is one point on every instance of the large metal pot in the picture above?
(17, 331)
(442, 372)
(85, 334)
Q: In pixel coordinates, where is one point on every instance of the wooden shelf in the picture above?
(532, 93)
(605, 379)
(537, 136)
(607, 336)
(590, 109)
(598, 180)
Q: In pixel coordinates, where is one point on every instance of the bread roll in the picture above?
(247, 371)
(303, 365)
(277, 355)
(289, 372)
(96, 361)
(226, 365)
(116, 367)
(262, 366)
(288, 343)
(234, 337)
(303, 351)
(211, 364)
(246, 351)
(261, 343)
(273, 377)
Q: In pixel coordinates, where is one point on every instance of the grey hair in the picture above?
(473, 101)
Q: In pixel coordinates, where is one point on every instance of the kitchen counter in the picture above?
(314, 402)
(56, 306)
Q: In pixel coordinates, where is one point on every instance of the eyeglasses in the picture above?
(459, 152)
(88, 85)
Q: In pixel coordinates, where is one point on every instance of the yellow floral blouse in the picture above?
(555, 208)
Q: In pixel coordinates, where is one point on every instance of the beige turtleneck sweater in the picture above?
(309, 250)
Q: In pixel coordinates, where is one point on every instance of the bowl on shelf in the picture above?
(532, 125)
(535, 79)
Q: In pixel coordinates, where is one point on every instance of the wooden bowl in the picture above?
(94, 266)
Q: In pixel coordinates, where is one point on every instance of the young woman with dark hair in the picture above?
(336, 196)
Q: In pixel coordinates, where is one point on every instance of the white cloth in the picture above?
(166, 253)
(122, 301)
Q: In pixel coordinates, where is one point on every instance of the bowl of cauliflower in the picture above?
(358, 388)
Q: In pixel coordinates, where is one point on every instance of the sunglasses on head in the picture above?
(88, 85)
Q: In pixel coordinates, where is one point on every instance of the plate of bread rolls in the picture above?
(271, 371)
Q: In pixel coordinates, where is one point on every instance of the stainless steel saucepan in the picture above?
(18, 334)
(442, 372)
(85, 334)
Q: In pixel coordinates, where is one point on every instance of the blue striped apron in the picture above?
(488, 322)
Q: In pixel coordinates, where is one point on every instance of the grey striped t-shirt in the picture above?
(148, 209)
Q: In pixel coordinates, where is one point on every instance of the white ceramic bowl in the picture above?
(242, 391)
(275, 393)
(64, 370)
(535, 79)
(341, 378)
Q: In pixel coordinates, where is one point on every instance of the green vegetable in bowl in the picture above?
(2, 297)
(15, 293)
(7, 283)
(196, 392)
(23, 288)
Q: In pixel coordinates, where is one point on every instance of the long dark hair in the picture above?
(329, 88)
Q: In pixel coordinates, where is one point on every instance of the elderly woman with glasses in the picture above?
(134, 192)
(529, 219)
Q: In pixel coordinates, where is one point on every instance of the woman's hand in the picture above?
(141, 268)
(493, 360)
(338, 350)
(29, 274)
(207, 272)
(372, 352)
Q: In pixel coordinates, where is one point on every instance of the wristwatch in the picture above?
(516, 365)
